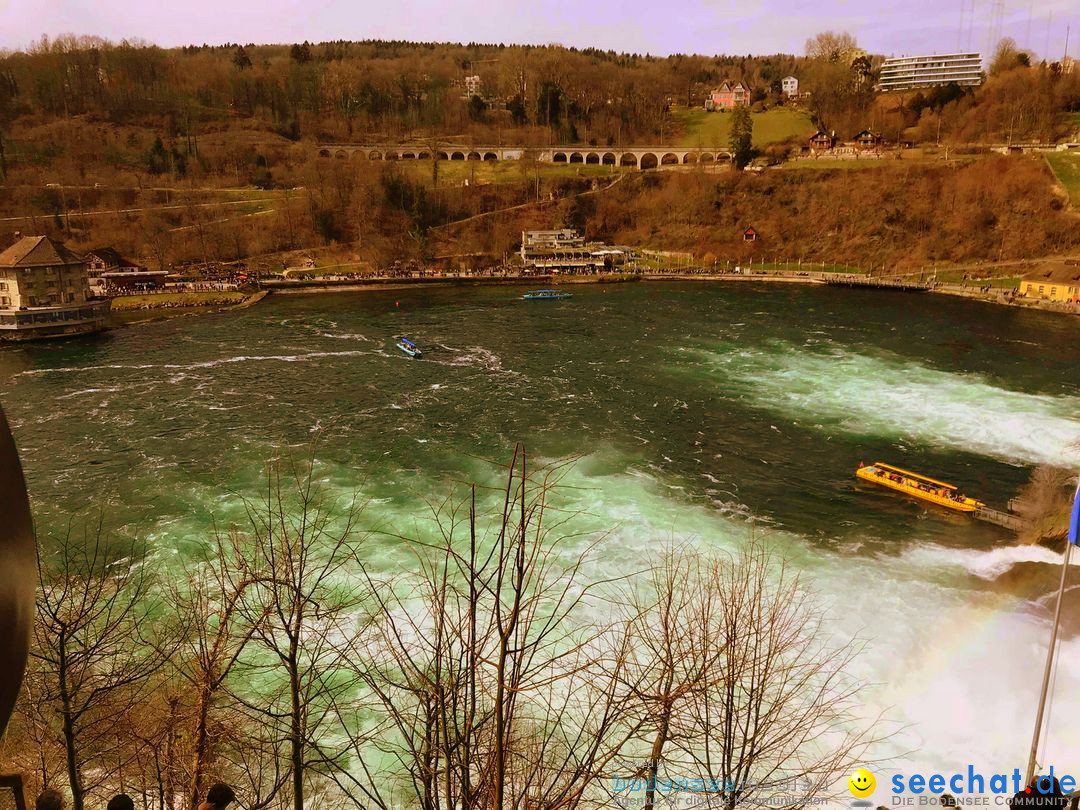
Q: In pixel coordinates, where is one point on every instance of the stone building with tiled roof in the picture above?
(44, 291)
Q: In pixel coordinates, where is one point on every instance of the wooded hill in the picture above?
(374, 90)
(390, 91)
(211, 154)
(903, 216)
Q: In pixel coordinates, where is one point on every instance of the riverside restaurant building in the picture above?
(45, 292)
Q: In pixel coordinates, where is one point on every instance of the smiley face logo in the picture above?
(861, 783)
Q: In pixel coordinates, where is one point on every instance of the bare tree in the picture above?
(1008, 55)
(218, 629)
(832, 46)
(741, 694)
(674, 655)
(95, 650)
(304, 608)
(1044, 502)
(495, 689)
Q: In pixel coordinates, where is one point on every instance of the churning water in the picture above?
(697, 411)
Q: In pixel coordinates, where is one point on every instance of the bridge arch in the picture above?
(722, 157)
(592, 157)
(649, 161)
(609, 159)
(690, 157)
(473, 156)
(576, 157)
(408, 155)
(457, 156)
(324, 153)
(373, 155)
(559, 157)
(490, 156)
(444, 155)
(391, 156)
(423, 156)
(628, 159)
(341, 154)
(706, 157)
(669, 159)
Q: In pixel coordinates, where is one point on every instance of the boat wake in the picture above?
(476, 357)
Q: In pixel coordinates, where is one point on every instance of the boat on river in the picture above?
(409, 348)
(545, 295)
(917, 486)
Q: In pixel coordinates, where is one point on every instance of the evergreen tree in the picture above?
(549, 104)
(241, 58)
(157, 158)
(301, 54)
(518, 111)
(742, 136)
(477, 107)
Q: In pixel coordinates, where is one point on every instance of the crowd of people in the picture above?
(218, 797)
(1044, 792)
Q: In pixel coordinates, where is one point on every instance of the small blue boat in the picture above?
(409, 347)
(545, 295)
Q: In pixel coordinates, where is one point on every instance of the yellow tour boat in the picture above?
(917, 486)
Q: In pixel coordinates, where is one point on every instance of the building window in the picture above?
(1042, 289)
(1053, 292)
(3, 286)
(4, 301)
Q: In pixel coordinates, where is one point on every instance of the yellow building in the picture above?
(1056, 282)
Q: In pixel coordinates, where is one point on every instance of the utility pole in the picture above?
(1074, 531)
(64, 207)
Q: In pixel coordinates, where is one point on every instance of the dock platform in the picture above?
(1007, 520)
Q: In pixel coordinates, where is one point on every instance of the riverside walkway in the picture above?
(877, 283)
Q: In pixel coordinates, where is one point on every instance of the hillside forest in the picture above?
(210, 154)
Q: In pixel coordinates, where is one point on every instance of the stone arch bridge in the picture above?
(640, 157)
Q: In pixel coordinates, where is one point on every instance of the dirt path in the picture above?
(538, 203)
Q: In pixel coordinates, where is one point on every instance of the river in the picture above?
(697, 411)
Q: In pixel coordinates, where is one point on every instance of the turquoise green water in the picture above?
(695, 410)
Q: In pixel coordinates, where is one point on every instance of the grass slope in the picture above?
(1066, 167)
(702, 128)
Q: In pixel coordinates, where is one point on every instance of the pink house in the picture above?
(728, 96)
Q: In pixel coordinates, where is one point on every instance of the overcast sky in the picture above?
(653, 26)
